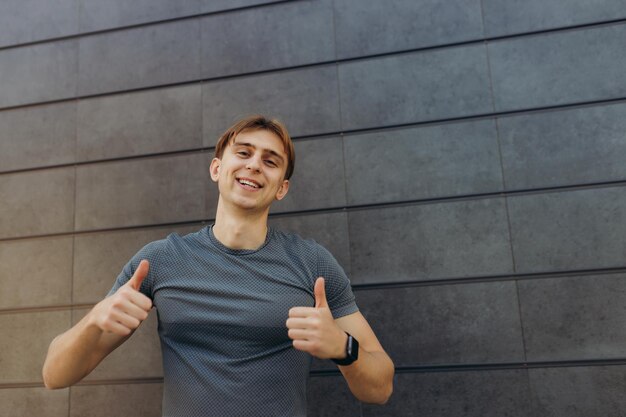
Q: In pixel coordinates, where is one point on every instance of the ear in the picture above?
(282, 191)
(214, 169)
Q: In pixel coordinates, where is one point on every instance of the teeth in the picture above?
(250, 183)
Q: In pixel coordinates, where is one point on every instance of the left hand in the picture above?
(314, 330)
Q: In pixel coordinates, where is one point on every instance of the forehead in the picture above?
(260, 139)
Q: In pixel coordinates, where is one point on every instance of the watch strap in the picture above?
(352, 352)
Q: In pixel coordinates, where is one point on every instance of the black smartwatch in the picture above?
(352, 352)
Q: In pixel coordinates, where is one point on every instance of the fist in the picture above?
(314, 330)
(123, 312)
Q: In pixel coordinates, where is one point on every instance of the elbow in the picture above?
(49, 381)
(382, 396)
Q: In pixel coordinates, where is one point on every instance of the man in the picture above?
(242, 308)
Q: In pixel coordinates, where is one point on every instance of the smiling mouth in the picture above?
(249, 183)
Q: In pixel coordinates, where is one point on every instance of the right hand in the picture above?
(123, 312)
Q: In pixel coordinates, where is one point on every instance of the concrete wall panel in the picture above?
(147, 122)
(141, 57)
(422, 86)
(574, 318)
(33, 402)
(566, 147)
(330, 396)
(38, 73)
(25, 21)
(37, 136)
(272, 37)
(579, 391)
(306, 100)
(142, 192)
(31, 333)
(365, 28)
(24, 197)
(424, 162)
(446, 324)
(36, 272)
(560, 68)
(99, 15)
(505, 17)
(431, 241)
(141, 400)
(569, 230)
(468, 394)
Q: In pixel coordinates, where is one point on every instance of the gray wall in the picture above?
(462, 159)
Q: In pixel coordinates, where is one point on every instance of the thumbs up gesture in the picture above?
(123, 312)
(314, 330)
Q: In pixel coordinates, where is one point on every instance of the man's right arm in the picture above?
(75, 353)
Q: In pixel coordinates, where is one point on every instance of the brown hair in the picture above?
(259, 122)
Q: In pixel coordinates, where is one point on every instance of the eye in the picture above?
(270, 163)
(243, 153)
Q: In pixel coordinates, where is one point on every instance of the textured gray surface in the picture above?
(141, 57)
(218, 5)
(569, 230)
(36, 272)
(34, 402)
(574, 318)
(147, 122)
(429, 241)
(31, 333)
(318, 180)
(24, 195)
(38, 73)
(504, 17)
(446, 324)
(98, 15)
(468, 394)
(574, 146)
(307, 100)
(116, 400)
(37, 136)
(271, 37)
(141, 192)
(560, 68)
(594, 391)
(330, 397)
(421, 86)
(424, 162)
(365, 28)
(25, 21)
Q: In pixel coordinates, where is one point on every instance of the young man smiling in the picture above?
(242, 307)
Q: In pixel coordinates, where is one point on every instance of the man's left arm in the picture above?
(314, 330)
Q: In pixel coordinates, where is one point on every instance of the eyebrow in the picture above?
(249, 145)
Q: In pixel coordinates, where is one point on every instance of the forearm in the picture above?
(370, 378)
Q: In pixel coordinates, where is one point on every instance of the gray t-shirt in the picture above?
(222, 315)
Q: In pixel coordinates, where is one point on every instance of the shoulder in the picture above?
(172, 244)
(295, 242)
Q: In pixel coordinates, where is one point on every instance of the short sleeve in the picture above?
(338, 289)
(148, 252)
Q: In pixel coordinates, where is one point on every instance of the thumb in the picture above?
(140, 274)
(320, 293)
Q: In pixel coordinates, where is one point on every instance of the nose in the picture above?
(254, 164)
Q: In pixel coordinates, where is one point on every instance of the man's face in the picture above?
(250, 174)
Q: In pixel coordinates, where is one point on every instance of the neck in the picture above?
(240, 229)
